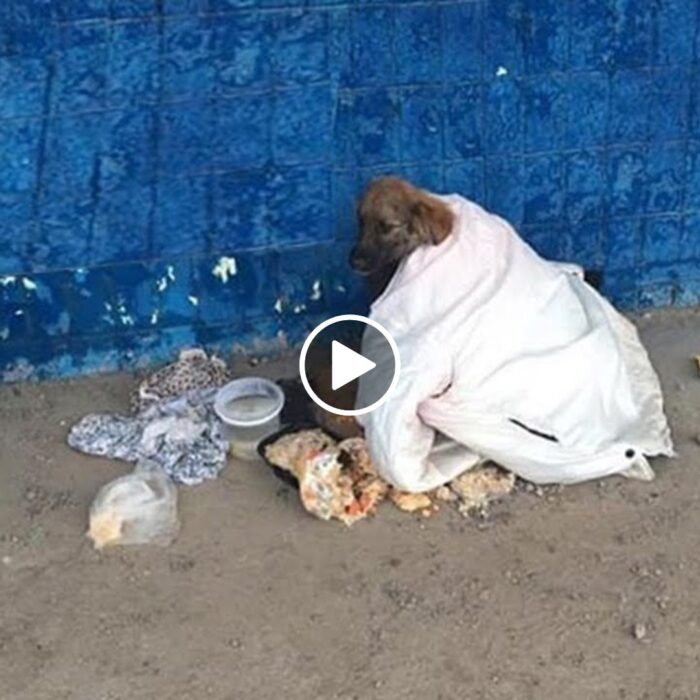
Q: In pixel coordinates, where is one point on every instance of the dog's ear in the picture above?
(431, 220)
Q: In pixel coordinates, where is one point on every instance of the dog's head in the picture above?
(395, 218)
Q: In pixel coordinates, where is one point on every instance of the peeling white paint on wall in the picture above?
(8, 279)
(19, 312)
(225, 268)
(340, 288)
(154, 317)
(278, 306)
(299, 308)
(193, 300)
(501, 71)
(28, 284)
(316, 292)
(166, 279)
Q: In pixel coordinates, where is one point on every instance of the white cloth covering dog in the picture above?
(514, 358)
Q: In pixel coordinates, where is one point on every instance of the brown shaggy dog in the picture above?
(395, 218)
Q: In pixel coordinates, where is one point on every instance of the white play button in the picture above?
(349, 364)
(346, 365)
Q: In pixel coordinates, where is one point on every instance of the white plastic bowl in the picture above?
(249, 409)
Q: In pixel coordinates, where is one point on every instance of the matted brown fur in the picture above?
(395, 218)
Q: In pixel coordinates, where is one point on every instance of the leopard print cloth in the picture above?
(193, 369)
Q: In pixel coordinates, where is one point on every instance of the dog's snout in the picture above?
(358, 261)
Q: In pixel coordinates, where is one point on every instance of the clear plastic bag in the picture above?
(140, 508)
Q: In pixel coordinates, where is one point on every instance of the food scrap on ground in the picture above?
(337, 480)
(410, 502)
(478, 487)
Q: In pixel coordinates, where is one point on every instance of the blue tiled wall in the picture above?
(183, 171)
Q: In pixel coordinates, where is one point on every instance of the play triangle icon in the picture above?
(346, 365)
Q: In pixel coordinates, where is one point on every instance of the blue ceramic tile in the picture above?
(694, 117)
(546, 31)
(187, 66)
(662, 240)
(126, 296)
(629, 106)
(70, 10)
(503, 119)
(14, 230)
(181, 7)
(544, 188)
(249, 293)
(182, 218)
(80, 79)
(344, 153)
(242, 45)
(467, 179)
(627, 181)
(425, 175)
(173, 299)
(591, 39)
(72, 156)
(545, 113)
(302, 125)
(462, 57)
(123, 9)
(588, 108)
(548, 241)
(298, 201)
(33, 38)
(228, 5)
(300, 48)
(186, 137)
(417, 43)
(303, 284)
(655, 296)
(122, 226)
(504, 188)
(586, 193)
(373, 59)
(129, 151)
(692, 192)
(675, 26)
(623, 244)
(585, 244)
(506, 26)
(665, 172)
(18, 155)
(65, 228)
(422, 124)
(669, 103)
(690, 238)
(631, 32)
(375, 121)
(23, 84)
(340, 68)
(243, 132)
(241, 211)
(464, 119)
(345, 190)
(133, 65)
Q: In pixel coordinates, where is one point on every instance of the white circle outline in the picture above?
(305, 348)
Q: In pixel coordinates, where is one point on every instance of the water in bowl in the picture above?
(250, 408)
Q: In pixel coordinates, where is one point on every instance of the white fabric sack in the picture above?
(514, 358)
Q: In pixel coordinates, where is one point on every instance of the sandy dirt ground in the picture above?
(592, 592)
